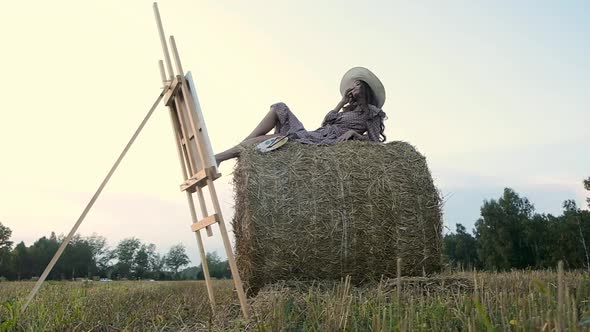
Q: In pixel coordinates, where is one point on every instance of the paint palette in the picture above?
(272, 143)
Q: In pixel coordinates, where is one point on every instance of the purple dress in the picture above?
(335, 124)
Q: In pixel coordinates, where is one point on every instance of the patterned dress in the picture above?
(335, 124)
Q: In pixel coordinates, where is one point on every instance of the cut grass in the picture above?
(515, 301)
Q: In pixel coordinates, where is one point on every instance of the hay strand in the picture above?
(307, 212)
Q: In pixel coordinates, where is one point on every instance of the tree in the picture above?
(538, 238)
(5, 248)
(573, 236)
(145, 260)
(190, 273)
(587, 187)
(177, 258)
(21, 261)
(461, 247)
(158, 264)
(126, 251)
(77, 259)
(217, 268)
(101, 254)
(500, 232)
(5, 233)
(41, 253)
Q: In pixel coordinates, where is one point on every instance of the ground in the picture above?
(517, 301)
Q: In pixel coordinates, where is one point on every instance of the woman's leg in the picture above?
(267, 124)
(235, 151)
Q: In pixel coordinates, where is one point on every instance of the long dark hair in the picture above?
(372, 100)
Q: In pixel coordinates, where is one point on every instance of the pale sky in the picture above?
(493, 93)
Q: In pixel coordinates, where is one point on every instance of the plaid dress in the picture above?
(335, 124)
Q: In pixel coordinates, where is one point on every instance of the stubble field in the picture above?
(514, 301)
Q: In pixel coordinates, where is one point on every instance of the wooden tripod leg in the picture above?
(229, 251)
(74, 229)
(202, 253)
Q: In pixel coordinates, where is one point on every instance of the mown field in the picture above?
(515, 301)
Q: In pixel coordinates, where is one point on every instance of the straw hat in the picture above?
(363, 74)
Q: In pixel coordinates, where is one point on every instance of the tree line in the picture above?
(91, 257)
(508, 235)
(511, 235)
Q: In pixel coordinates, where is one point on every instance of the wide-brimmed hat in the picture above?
(363, 74)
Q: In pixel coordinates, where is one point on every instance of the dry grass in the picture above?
(516, 301)
(311, 212)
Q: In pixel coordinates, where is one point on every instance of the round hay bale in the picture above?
(307, 212)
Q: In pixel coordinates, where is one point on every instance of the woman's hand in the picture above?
(346, 136)
(346, 99)
(347, 96)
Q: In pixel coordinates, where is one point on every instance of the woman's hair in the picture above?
(372, 100)
(369, 94)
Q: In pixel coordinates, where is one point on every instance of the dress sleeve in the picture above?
(330, 117)
(374, 124)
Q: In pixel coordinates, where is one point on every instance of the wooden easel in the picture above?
(197, 161)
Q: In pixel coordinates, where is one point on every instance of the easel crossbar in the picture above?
(199, 179)
(208, 221)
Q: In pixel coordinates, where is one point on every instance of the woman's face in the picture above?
(358, 90)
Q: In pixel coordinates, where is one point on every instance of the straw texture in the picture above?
(307, 212)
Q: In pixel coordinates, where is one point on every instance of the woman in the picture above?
(357, 116)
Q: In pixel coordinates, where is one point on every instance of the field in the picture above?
(514, 301)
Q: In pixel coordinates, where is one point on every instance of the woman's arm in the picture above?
(346, 98)
(331, 116)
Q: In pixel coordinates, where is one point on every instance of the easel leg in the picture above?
(228, 249)
(202, 253)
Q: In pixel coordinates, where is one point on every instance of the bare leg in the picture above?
(235, 151)
(267, 124)
(258, 135)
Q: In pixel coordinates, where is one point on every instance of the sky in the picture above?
(493, 93)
